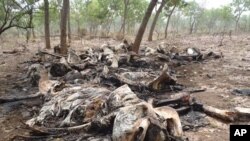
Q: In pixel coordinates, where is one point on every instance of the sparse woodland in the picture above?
(121, 18)
(123, 70)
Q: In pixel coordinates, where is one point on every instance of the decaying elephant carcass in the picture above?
(142, 122)
(149, 80)
(131, 118)
(165, 78)
(73, 58)
(173, 120)
(121, 97)
(150, 51)
(124, 46)
(193, 51)
(131, 123)
(59, 69)
(134, 121)
(135, 78)
(33, 74)
(135, 117)
(67, 101)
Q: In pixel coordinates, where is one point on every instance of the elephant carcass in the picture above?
(142, 122)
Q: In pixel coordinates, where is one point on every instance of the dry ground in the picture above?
(232, 71)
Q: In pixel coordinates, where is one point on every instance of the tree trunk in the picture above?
(28, 31)
(33, 33)
(69, 27)
(150, 36)
(143, 26)
(191, 25)
(27, 35)
(64, 17)
(191, 28)
(237, 25)
(46, 24)
(169, 17)
(126, 3)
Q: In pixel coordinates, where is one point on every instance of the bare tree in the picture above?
(64, 18)
(46, 24)
(150, 36)
(143, 26)
(126, 3)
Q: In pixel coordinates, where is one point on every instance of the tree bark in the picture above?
(33, 33)
(150, 36)
(169, 17)
(27, 35)
(143, 26)
(192, 24)
(126, 3)
(69, 27)
(46, 24)
(237, 25)
(64, 17)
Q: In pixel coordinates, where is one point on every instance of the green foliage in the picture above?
(225, 14)
(136, 10)
(54, 13)
(101, 14)
(171, 3)
(193, 9)
(16, 13)
(240, 6)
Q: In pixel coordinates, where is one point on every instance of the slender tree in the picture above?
(126, 4)
(143, 26)
(69, 27)
(194, 11)
(169, 17)
(150, 36)
(46, 24)
(64, 18)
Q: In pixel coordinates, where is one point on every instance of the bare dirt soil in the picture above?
(219, 77)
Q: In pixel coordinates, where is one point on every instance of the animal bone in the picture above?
(115, 61)
(136, 122)
(67, 120)
(172, 118)
(164, 79)
(130, 121)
